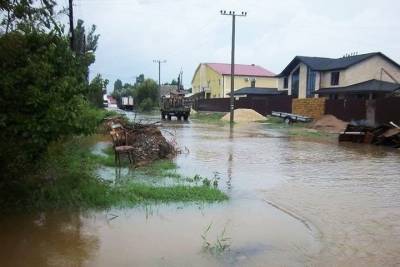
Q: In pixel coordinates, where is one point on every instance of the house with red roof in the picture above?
(214, 79)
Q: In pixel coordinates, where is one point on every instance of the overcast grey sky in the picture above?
(187, 32)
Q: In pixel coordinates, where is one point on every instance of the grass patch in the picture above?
(209, 117)
(310, 133)
(67, 180)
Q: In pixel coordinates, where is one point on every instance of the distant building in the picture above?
(112, 102)
(365, 76)
(166, 89)
(214, 79)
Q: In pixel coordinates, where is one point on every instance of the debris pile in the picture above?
(330, 123)
(147, 140)
(244, 115)
(386, 135)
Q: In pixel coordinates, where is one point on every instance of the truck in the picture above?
(127, 102)
(175, 105)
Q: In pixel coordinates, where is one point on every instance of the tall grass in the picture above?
(67, 180)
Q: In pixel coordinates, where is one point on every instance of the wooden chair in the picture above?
(121, 146)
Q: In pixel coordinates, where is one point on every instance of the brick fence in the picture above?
(310, 107)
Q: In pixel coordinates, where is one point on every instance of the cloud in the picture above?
(188, 32)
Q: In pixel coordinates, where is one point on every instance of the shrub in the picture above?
(146, 105)
(42, 98)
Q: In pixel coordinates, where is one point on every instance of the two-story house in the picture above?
(215, 81)
(365, 76)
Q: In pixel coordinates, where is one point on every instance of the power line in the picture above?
(234, 15)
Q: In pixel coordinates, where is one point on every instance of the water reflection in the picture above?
(46, 239)
(327, 205)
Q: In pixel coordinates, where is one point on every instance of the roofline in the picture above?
(372, 54)
(321, 90)
(265, 76)
(253, 65)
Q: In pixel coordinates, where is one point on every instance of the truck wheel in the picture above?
(162, 116)
(179, 117)
(169, 117)
(185, 117)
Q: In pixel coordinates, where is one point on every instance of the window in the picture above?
(285, 82)
(295, 83)
(335, 78)
(311, 76)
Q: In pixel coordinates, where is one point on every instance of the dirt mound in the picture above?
(330, 123)
(148, 142)
(244, 115)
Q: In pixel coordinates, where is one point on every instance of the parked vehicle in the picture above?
(175, 105)
(127, 102)
(289, 118)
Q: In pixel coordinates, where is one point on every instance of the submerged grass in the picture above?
(299, 129)
(67, 180)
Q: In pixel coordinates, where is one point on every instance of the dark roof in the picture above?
(370, 86)
(258, 91)
(326, 64)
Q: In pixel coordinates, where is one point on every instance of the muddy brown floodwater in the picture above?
(292, 203)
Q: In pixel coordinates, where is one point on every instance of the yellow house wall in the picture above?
(220, 85)
(205, 77)
(240, 82)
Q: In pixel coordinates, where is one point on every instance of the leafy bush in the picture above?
(42, 98)
(146, 94)
(146, 105)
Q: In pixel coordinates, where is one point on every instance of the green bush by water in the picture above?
(67, 180)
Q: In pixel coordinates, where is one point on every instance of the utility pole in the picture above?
(159, 61)
(71, 24)
(234, 15)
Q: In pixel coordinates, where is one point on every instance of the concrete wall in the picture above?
(366, 70)
(310, 107)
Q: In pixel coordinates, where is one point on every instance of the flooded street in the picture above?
(292, 203)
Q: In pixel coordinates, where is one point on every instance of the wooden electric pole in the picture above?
(232, 102)
(159, 61)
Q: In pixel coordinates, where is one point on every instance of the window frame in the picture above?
(285, 82)
(335, 78)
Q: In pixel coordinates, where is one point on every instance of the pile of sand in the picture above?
(330, 123)
(244, 115)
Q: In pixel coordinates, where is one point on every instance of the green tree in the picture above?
(28, 14)
(44, 92)
(146, 94)
(139, 79)
(83, 43)
(117, 92)
(96, 91)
